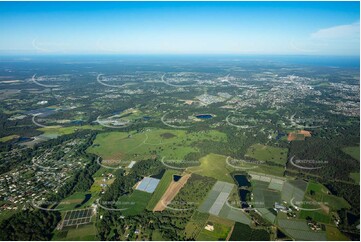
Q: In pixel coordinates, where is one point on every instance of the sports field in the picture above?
(268, 153)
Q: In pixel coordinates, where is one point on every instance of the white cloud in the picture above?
(348, 31)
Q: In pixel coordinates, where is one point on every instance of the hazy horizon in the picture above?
(180, 28)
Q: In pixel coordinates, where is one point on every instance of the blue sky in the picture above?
(305, 28)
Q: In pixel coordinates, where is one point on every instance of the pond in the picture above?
(242, 180)
(243, 195)
(243, 184)
(176, 178)
(204, 116)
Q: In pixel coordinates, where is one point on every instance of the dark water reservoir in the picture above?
(176, 178)
(204, 116)
(242, 180)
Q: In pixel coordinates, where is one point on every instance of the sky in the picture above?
(269, 28)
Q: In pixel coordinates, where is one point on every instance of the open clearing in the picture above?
(76, 200)
(267, 153)
(171, 192)
(222, 227)
(355, 176)
(170, 144)
(353, 151)
(67, 130)
(9, 137)
(215, 166)
(134, 203)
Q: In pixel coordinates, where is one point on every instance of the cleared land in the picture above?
(10, 137)
(67, 130)
(318, 197)
(134, 203)
(171, 144)
(76, 200)
(222, 228)
(215, 166)
(171, 192)
(161, 188)
(333, 234)
(267, 153)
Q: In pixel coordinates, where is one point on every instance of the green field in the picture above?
(222, 227)
(170, 144)
(353, 151)
(267, 153)
(196, 224)
(355, 176)
(215, 166)
(161, 188)
(322, 195)
(135, 202)
(242, 232)
(54, 130)
(9, 137)
(333, 234)
(85, 232)
(74, 200)
(96, 187)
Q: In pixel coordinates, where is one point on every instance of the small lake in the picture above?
(243, 184)
(204, 116)
(242, 180)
